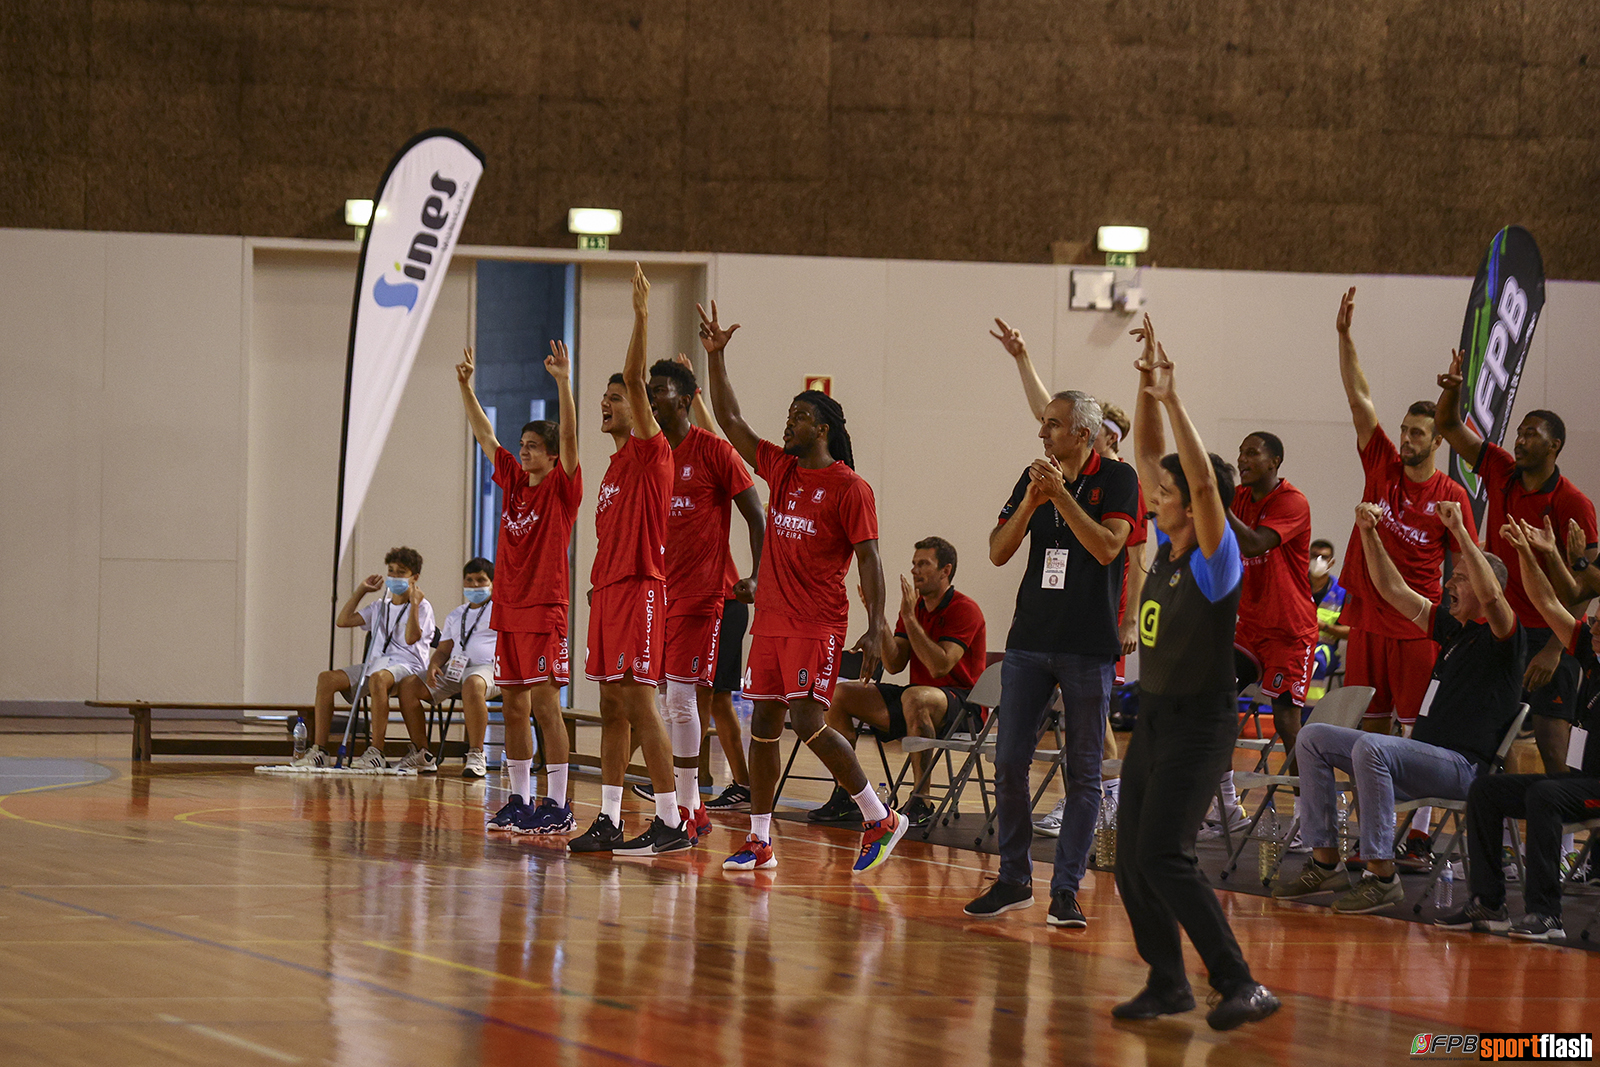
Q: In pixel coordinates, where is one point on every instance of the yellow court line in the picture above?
(57, 826)
(452, 964)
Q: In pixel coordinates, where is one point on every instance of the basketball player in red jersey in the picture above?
(627, 605)
(820, 513)
(708, 480)
(540, 489)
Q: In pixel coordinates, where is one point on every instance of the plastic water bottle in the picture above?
(1346, 842)
(299, 737)
(1270, 852)
(884, 796)
(1105, 837)
(742, 710)
(1445, 895)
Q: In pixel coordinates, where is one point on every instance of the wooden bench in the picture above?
(145, 746)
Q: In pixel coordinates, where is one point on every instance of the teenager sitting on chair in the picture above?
(401, 624)
(461, 666)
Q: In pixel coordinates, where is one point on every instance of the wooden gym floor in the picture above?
(203, 914)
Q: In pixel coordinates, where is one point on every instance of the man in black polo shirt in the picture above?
(1468, 706)
(1076, 511)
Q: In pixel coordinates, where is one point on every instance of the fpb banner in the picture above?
(416, 218)
(1507, 296)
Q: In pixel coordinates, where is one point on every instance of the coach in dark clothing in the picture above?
(1076, 511)
(1546, 801)
(1187, 719)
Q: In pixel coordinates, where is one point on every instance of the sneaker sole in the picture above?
(1046, 831)
(1015, 905)
(584, 847)
(884, 851)
(473, 775)
(729, 865)
(1476, 927)
(1550, 935)
(742, 807)
(652, 850)
(1066, 924)
(1370, 908)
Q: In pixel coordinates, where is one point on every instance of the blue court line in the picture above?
(35, 774)
(360, 983)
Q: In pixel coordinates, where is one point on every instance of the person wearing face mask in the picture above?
(462, 665)
(401, 624)
(1328, 597)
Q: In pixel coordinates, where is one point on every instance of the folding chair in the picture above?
(1455, 811)
(967, 741)
(849, 667)
(1340, 707)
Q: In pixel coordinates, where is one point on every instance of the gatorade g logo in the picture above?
(1149, 623)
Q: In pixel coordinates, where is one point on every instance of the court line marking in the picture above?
(231, 1039)
(499, 976)
(361, 983)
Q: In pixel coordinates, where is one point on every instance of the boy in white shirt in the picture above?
(462, 665)
(401, 625)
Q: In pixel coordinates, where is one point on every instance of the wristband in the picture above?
(1580, 564)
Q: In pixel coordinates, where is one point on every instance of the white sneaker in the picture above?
(370, 760)
(313, 757)
(1237, 821)
(1297, 844)
(477, 766)
(1050, 825)
(417, 761)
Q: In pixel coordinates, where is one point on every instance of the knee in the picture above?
(1543, 800)
(475, 687)
(1368, 753)
(919, 706)
(379, 684)
(331, 682)
(766, 721)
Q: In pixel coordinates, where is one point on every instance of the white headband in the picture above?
(1112, 428)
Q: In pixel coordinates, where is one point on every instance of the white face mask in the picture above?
(1320, 565)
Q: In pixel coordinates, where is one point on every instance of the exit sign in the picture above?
(594, 242)
(1121, 259)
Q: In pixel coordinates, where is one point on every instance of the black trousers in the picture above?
(1180, 748)
(1545, 801)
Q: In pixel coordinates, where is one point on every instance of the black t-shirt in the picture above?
(1077, 612)
(1479, 687)
(1186, 619)
(1588, 716)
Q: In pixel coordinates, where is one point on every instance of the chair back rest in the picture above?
(986, 690)
(1343, 706)
(850, 667)
(1504, 750)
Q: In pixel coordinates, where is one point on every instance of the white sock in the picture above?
(555, 782)
(667, 809)
(688, 779)
(1422, 821)
(521, 773)
(611, 803)
(872, 808)
(1568, 843)
(761, 826)
(1230, 799)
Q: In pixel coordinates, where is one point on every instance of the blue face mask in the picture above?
(398, 586)
(476, 594)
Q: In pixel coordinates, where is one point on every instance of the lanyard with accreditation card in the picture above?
(456, 668)
(1055, 559)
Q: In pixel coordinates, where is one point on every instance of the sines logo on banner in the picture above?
(423, 246)
(1507, 297)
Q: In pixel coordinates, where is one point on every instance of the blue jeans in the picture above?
(1027, 680)
(1382, 768)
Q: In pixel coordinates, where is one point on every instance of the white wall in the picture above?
(169, 423)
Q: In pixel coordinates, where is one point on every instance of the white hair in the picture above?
(1086, 413)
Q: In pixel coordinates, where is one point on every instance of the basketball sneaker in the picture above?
(503, 820)
(547, 819)
(658, 838)
(603, 835)
(755, 855)
(878, 840)
(417, 761)
(476, 766)
(370, 760)
(735, 797)
(312, 757)
(697, 825)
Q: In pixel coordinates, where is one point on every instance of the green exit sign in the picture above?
(594, 242)
(1121, 259)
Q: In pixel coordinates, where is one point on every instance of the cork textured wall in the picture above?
(1373, 135)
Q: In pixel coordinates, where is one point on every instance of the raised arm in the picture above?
(749, 505)
(349, 615)
(1149, 435)
(414, 617)
(1032, 386)
(1542, 542)
(1385, 576)
(1210, 511)
(1447, 413)
(726, 406)
(1502, 620)
(1356, 390)
(559, 364)
(1578, 547)
(869, 567)
(699, 414)
(1535, 584)
(644, 416)
(482, 428)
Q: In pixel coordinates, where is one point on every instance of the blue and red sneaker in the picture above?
(503, 820)
(755, 855)
(878, 840)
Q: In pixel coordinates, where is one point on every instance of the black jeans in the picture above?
(1545, 801)
(1180, 747)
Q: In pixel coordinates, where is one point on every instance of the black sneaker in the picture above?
(644, 791)
(1000, 898)
(1536, 927)
(735, 797)
(1064, 911)
(657, 838)
(1476, 917)
(841, 807)
(1248, 1004)
(1415, 853)
(1150, 1004)
(918, 812)
(602, 836)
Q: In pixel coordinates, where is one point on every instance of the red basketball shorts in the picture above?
(789, 668)
(1397, 668)
(691, 646)
(626, 620)
(530, 659)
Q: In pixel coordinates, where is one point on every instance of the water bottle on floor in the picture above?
(299, 737)
(1445, 895)
(1105, 837)
(1269, 853)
